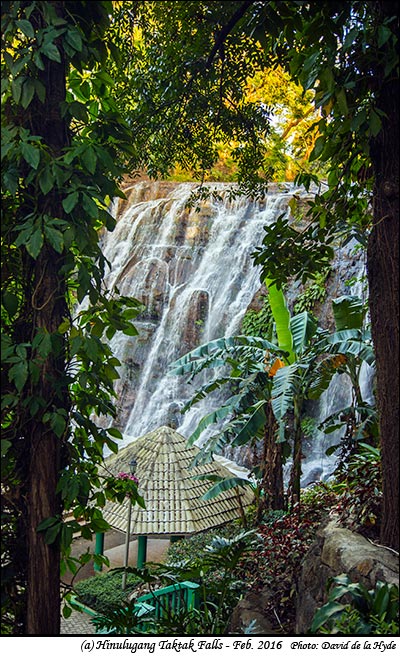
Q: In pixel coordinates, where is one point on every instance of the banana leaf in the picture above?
(222, 485)
(284, 388)
(254, 422)
(349, 312)
(303, 328)
(281, 316)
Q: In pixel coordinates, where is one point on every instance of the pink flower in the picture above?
(129, 477)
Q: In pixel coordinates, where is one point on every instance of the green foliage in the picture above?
(185, 102)
(123, 619)
(281, 316)
(188, 548)
(211, 560)
(360, 487)
(259, 323)
(367, 612)
(324, 48)
(103, 592)
(313, 293)
(309, 426)
(215, 567)
(222, 484)
(286, 252)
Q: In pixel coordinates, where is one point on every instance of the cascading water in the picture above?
(194, 273)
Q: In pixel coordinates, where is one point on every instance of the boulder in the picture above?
(251, 612)
(336, 551)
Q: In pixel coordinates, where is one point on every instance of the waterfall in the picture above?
(192, 269)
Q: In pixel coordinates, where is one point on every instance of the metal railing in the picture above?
(171, 599)
(158, 604)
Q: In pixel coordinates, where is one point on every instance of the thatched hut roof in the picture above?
(172, 496)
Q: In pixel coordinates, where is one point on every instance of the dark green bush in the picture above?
(367, 612)
(359, 489)
(103, 592)
(190, 547)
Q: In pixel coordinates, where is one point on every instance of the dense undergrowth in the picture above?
(227, 562)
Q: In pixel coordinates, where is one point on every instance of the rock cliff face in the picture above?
(336, 551)
(192, 269)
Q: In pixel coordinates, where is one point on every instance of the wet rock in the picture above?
(195, 320)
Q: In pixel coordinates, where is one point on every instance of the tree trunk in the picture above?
(272, 480)
(43, 567)
(295, 474)
(45, 309)
(383, 278)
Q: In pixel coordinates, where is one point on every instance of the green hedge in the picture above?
(103, 592)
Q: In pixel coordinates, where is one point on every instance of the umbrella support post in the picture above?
(99, 550)
(142, 550)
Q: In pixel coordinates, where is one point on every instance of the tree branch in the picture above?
(226, 29)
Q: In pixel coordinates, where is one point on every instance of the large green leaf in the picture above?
(328, 611)
(354, 342)
(281, 316)
(321, 376)
(342, 336)
(360, 350)
(224, 485)
(349, 312)
(303, 327)
(284, 389)
(211, 418)
(254, 422)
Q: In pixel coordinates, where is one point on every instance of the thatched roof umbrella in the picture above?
(173, 498)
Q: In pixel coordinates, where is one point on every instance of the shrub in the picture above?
(359, 490)
(104, 593)
(286, 537)
(188, 548)
(368, 612)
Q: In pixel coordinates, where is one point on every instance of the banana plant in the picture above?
(247, 377)
(295, 335)
(314, 358)
(281, 375)
(345, 352)
(246, 414)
